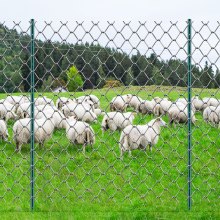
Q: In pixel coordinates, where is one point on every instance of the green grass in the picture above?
(148, 185)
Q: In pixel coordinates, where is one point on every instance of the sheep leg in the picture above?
(121, 154)
(84, 149)
(17, 147)
(129, 152)
(150, 147)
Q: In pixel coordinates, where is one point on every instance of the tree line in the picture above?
(95, 64)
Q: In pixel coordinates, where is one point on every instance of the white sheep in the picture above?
(135, 102)
(178, 113)
(58, 117)
(147, 107)
(211, 101)
(98, 111)
(140, 136)
(79, 132)
(7, 111)
(43, 130)
(61, 101)
(16, 100)
(90, 97)
(3, 130)
(43, 101)
(120, 103)
(162, 107)
(117, 120)
(82, 111)
(212, 114)
(198, 103)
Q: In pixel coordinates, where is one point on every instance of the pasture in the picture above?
(99, 182)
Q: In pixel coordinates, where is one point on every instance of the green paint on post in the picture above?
(32, 114)
(189, 115)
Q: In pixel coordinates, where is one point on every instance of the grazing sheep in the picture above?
(212, 114)
(183, 100)
(82, 111)
(211, 101)
(58, 117)
(135, 102)
(117, 120)
(61, 101)
(91, 98)
(120, 103)
(198, 103)
(16, 100)
(43, 130)
(178, 113)
(3, 130)
(140, 136)
(79, 132)
(162, 107)
(43, 101)
(147, 107)
(7, 111)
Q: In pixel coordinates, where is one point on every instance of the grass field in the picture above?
(146, 185)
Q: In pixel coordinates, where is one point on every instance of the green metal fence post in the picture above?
(189, 115)
(32, 114)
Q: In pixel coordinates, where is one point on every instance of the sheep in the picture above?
(212, 114)
(7, 111)
(117, 120)
(90, 97)
(3, 130)
(43, 101)
(61, 101)
(135, 102)
(43, 130)
(178, 113)
(58, 116)
(97, 111)
(16, 100)
(140, 136)
(183, 100)
(211, 101)
(79, 132)
(82, 112)
(162, 107)
(199, 104)
(147, 107)
(120, 103)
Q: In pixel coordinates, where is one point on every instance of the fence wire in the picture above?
(109, 120)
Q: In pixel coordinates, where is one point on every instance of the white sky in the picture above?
(109, 9)
(124, 10)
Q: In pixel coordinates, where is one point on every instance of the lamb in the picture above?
(82, 112)
(135, 102)
(90, 97)
(3, 130)
(117, 120)
(79, 132)
(43, 130)
(140, 136)
(178, 113)
(120, 103)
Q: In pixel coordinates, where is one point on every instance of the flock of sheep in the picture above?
(74, 115)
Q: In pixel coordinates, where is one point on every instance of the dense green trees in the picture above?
(95, 64)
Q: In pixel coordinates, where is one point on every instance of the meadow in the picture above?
(99, 184)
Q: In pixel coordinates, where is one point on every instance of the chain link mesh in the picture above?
(84, 71)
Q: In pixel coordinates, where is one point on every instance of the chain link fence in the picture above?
(109, 116)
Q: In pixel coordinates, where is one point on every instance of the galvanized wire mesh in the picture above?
(83, 71)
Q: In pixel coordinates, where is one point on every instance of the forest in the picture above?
(95, 63)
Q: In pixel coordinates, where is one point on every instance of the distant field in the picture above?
(149, 182)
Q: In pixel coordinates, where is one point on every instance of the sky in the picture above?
(109, 10)
(122, 10)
